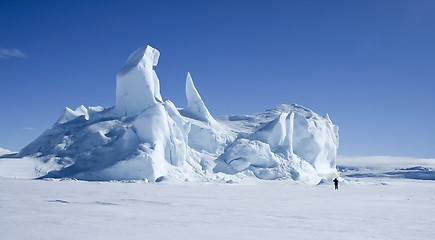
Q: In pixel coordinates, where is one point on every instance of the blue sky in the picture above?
(369, 64)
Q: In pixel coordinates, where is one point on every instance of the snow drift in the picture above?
(145, 137)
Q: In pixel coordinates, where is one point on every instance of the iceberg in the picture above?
(144, 137)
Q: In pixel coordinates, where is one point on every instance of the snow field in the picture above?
(360, 209)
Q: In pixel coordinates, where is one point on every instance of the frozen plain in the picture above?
(368, 205)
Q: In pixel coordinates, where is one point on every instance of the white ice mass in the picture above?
(146, 138)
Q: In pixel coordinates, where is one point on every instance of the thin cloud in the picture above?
(28, 129)
(13, 52)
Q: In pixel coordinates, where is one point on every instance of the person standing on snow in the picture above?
(335, 183)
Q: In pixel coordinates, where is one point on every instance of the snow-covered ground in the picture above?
(367, 206)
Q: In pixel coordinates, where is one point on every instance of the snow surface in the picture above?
(146, 138)
(363, 208)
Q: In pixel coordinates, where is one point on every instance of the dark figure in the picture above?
(335, 183)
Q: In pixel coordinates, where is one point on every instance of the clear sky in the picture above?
(369, 64)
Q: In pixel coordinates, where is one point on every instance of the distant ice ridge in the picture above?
(144, 137)
(5, 151)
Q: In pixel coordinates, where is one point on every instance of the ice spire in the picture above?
(195, 106)
(137, 84)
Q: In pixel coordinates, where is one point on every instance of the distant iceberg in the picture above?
(146, 138)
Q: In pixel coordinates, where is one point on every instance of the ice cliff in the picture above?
(145, 137)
